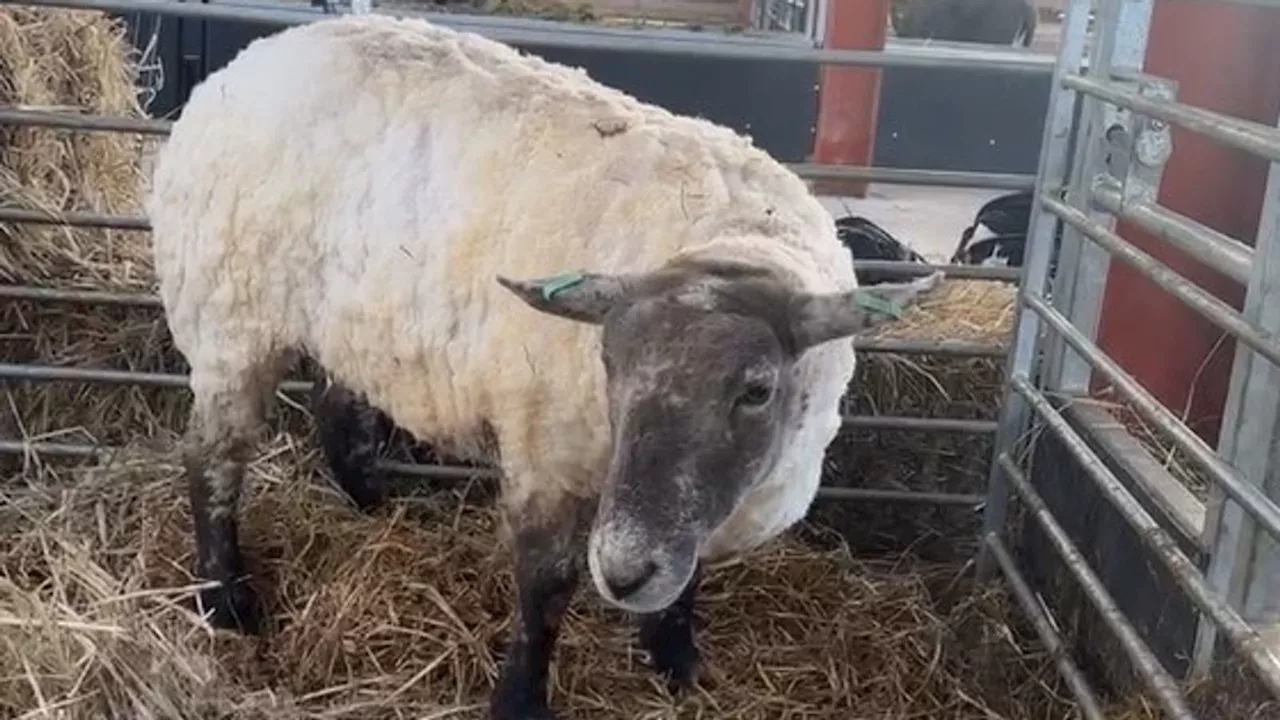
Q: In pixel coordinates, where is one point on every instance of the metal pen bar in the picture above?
(83, 297)
(913, 269)
(70, 120)
(952, 348)
(23, 117)
(913, 176)
(137, 222)
(463, 472)
(948, 348)
(929, 498)
(50, 373)
(1245, 639)
(1144, 661)
(1252, 137)
(1213, 309)
(1024, 346)
(901, 422)
(1225, 476)
(1045, 630)
(1220, 252)
(74, 219)
(548, 35)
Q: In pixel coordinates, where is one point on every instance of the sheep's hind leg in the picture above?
(350, 432)
(667, 636)
(220, 436)
(549, 547)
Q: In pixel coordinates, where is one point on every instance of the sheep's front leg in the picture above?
(668, 638)
(215, 470)
(549, 551)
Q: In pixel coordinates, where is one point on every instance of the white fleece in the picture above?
(352, 187)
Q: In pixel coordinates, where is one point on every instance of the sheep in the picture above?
(640, 318)
(995, 22)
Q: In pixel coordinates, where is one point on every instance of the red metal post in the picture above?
(849, 98)
(1225, 58)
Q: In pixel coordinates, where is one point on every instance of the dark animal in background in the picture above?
(992, 22)
(868, 241)
(1008, 216)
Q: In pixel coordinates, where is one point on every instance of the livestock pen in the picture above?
(395, 615)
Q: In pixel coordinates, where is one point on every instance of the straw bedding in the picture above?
(403, 613)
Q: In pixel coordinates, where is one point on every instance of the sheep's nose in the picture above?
(626, 580)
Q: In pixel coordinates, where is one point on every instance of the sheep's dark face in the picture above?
(700, 361)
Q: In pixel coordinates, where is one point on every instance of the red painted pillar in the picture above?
(1225, 58)
(849, 98)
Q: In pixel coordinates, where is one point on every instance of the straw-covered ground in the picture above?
(403, 613)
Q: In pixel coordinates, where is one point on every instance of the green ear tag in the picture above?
(559, 283)
(875, 303)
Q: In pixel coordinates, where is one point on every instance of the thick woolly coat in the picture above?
(352, 187)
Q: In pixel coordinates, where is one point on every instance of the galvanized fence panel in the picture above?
(1121, 144)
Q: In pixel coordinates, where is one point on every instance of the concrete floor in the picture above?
(929, 220)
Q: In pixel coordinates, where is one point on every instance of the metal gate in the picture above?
(1102, 165)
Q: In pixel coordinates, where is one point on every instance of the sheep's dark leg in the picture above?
(350, 434)
(214, 476)
(548, 555)
(220, 436)
(667, 635)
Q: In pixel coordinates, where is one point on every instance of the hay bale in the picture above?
(65, 59)
(932, 386)
(404, 614)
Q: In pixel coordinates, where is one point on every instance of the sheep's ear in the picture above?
(585, 297)
(816, 319)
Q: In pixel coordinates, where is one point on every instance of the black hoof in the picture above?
(672, 651)
(233, 609)
(518, 706)
(368, 491)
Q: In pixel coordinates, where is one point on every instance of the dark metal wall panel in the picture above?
(1139, 582)
(774, 102)
(965, 120)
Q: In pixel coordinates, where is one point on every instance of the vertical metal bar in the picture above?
(1055, 151)
(1119, 45)
(1244, 565)
(1043, 624)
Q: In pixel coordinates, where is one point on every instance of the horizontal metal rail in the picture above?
(1256, 138)
(1220, 252)
(1144, 661)
(67, 120)
(902, 422)
(1250, 496)
(463, 472)
(1195, 297)
(950, 348)
(827, 492)
(945, 348)
(1243, 637)
(50, 373)
(80, 297)
(74, 219)
(1045, 630)
(702, 44)
(913, 176)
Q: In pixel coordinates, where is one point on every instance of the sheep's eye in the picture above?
(755, 395)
